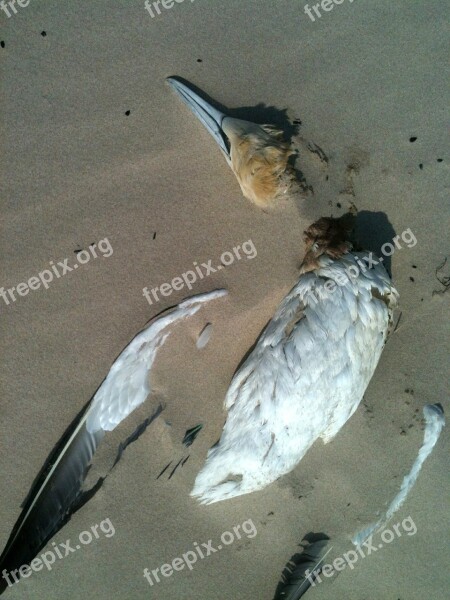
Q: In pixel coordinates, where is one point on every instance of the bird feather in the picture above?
(300, 571)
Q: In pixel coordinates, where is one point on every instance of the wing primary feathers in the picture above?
(51, 500)
(57, 491)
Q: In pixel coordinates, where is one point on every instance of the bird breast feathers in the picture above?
(317, 335)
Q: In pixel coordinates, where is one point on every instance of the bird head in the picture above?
(257, 154)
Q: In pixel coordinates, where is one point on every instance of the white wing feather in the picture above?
(435, 421)
(127, 384)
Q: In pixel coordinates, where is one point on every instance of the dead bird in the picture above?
(309, 369)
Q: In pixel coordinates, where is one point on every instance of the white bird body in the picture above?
(305, 377)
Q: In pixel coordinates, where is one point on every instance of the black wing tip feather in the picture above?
(191, 434)
(295, 581)
(48, 506)
(41, 519)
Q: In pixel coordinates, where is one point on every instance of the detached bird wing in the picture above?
(57, 490)
(434, 422)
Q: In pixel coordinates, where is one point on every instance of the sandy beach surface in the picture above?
(97, 149)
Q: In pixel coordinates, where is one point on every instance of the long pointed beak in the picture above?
(206, 113)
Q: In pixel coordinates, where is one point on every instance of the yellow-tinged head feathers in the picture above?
(260, 161)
